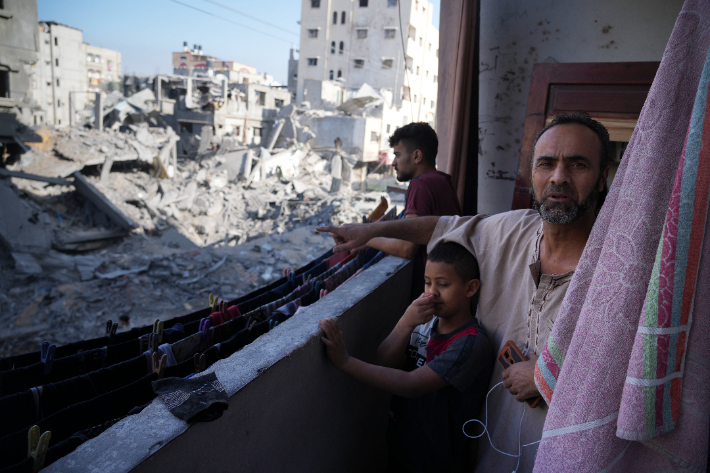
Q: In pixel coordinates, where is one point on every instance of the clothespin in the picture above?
(111, 330)
(37, 447)
(204, 326)
(47, 356)
(214, 300)
(153, 343)
(223, 311)
(159, 367)
(200, 362)
(158, 329)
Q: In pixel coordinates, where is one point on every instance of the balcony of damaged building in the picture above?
(155, 203)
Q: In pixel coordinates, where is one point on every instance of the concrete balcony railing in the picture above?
(289, 409)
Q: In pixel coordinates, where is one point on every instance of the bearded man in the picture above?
(526, 259)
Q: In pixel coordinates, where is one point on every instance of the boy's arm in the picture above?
(407, 384)
(391, 351)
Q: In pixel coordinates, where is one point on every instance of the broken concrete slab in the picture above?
(100, 201)
(20, 229)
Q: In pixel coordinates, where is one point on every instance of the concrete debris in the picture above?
(154, 229)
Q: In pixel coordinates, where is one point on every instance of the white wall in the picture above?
(515, 34)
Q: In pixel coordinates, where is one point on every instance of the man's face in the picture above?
(403, 163)
(565, 173)
(451, 294)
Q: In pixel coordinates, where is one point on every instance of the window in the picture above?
(429, 46)
(417, 70)
(435, 78)
(313, 33)
(415, 98)
(432, 104)
(437, 52)
(49, 83)
(57, 82)
(387, 63)
(342, 46)
(59, 103)
(332, 47)
(278, 103)
(363, 3)
(335, 17)
(342, 18)
(315, 3)
(388, 128)
(183, 58)
(312, 61)
(391, 3)
(56, 62)
(5, 84)
(390, 33)
(331, 75)
(340, 73)
(261, 98)
(257, 131)
(373, 136)
(426, 74)
(55, 41)
(421, 41)
(359, 63)
(361, 33)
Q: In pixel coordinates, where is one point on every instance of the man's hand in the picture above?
(334, 342)
(352, 236)
(419, 312)
(519, 379)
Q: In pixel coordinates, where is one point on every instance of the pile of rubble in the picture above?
(100, 225)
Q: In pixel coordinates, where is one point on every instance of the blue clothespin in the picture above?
(47, 356)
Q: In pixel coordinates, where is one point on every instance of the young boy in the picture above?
(437, 362)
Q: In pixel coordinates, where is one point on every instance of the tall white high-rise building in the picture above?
(388, 44)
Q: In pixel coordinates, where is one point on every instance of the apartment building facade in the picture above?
(69, 72)
(19, 49)
(361, 41)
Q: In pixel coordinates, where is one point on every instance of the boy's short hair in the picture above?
(464, 263)
(460, 258)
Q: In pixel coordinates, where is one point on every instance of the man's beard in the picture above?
(560, 213)
(403, 177)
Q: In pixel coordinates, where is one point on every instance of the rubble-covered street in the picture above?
(155, 234)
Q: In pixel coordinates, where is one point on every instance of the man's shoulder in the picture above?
(432, 178)
(514, 221)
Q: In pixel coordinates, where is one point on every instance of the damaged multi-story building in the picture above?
(70, 72)
(354, 57)
(208, 97)
(19, 51)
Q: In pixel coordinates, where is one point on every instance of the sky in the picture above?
(146, 32)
